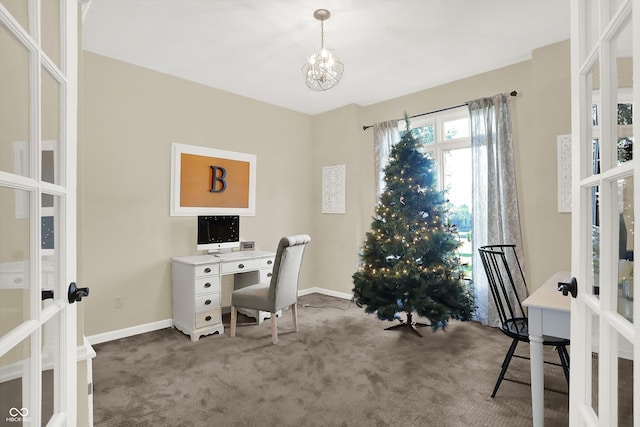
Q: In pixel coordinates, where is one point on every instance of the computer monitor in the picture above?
(218, 233)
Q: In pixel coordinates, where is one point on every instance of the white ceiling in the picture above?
(256, 48)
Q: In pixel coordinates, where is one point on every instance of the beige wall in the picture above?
(132, 115)
(547, 233)
(541, 112)
(338, 237)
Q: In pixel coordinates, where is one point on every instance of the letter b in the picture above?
(218, 183)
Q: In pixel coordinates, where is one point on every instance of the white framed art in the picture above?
(208, 181)
(333, 189)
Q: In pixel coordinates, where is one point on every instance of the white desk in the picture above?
(196, 287)
(549, 314)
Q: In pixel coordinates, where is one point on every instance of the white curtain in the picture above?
(385, 135)
(496, 219)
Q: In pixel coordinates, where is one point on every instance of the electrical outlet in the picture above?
(117, 302)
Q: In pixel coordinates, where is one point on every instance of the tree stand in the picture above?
(408, 324)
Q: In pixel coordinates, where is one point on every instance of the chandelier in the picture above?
(324, 67)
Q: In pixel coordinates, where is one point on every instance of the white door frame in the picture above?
(46, 338)
(597, 327)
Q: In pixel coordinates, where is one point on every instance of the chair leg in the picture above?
(294, 313)
(564, 360)
(234, 318)
(274, 328)
(505, 365)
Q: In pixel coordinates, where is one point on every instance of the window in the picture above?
(446, 138)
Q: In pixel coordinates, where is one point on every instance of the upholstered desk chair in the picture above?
(280, 292)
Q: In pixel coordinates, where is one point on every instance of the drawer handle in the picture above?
(208, 318)
(240, 265)
(207, 302)
(207, 285)
(269, 274)
(17, 280)
(207, 270)
(269, 262)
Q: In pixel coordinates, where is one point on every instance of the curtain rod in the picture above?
(513, 93)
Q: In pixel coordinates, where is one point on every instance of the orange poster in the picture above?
(213, 182)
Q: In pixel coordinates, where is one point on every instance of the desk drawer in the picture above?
(206, 269)
(207, 284)
(240, 266)
(208, 318)
(206, 302)
(265, 275)
(267, 262)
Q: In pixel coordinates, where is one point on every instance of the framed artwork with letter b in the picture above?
(207, 181)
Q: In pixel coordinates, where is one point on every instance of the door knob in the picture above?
(571, 287)
(76, 294)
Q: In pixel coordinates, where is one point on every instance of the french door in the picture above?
(38, 103)
(605, 337)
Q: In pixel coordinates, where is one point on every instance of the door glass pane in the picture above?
(625, 149)
(457, 182)
(625, 247)
(453, 129)
(50, 19)
(49, 244)
(20, 10)
(14, 258)
(595, 241)
(49, 165)
(621, 50)
(50, 363)
(47, 393)
(50, 125)
(625, 114)
(592, 338)
(595, 164)
(593, 127)
(14, 105)
(625, 383)
(14, 365)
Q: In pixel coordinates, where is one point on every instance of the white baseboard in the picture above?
(167, 323)
(129, 332)
(323, 291)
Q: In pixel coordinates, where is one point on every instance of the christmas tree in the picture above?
(409, 260)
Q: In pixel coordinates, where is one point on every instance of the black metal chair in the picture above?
(503, 271)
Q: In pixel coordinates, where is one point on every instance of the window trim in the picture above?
(439, 144)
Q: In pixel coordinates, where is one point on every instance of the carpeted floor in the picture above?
(341, 369)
